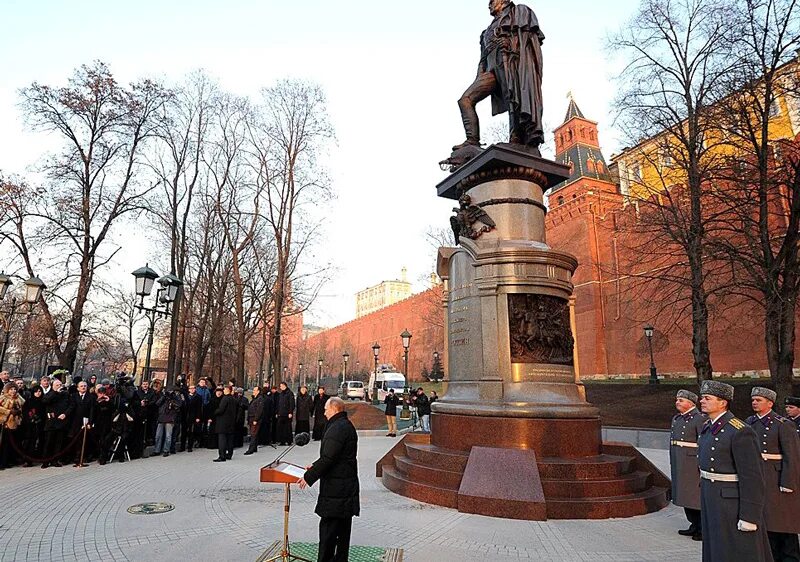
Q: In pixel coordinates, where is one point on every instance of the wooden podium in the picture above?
(280, 472)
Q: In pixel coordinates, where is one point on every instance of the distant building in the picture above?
(382, 295)
(311, 331)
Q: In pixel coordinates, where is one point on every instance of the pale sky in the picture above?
(392, 72)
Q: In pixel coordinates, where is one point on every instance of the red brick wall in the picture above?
(422, 315)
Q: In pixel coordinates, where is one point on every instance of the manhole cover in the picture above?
(150, 508)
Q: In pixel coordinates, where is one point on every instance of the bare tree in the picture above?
(760, 185)
(177, 161)
(676, 54)
(92, 183)
(288, 144)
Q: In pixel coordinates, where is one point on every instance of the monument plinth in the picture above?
(514, 436)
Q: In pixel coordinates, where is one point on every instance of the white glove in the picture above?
(747, 527)
(786, 490)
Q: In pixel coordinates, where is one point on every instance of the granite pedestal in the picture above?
(514, 436)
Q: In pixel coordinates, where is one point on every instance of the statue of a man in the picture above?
(510, 71)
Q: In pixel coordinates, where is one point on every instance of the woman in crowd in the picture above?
(303, 408)
(319, 413)
(33, 425)
(10, 420)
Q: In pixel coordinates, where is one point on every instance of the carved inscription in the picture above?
(540, 330)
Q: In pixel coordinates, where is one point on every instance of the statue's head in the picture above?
(465, 200)
(496, 6)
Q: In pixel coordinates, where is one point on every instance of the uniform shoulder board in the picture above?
(737, 423)
(779, 418)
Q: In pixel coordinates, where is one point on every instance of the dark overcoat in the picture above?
(303, 407)
(728, 447)
(285, 403)
(82, 408)
(225, 420)
(337, 470)
(683, 458)
(256, 409)
(777, 437)
(57, 403)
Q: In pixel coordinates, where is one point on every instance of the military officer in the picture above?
(780, 451)
(686, 427)
(793, 411)
(731, 483)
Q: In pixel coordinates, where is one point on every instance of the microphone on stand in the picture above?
(300, 440)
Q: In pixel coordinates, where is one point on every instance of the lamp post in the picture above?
(345, 358)
(648, 333)
(435, 360)
(285, 375)
(405, 412)
(33, 292)
(319, 371)
(302, 378)
(164, 297)
(376, 349)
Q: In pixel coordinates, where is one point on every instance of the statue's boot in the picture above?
(467, 143)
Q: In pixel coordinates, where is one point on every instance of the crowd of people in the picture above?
(53, 421)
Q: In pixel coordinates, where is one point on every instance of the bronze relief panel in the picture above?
(539, 326)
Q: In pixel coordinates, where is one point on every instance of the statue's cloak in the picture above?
(511, 48)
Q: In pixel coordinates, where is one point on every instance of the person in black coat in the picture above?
(284, 413)
(210, 414)
(255, 413)
(337, 471)
(319, 413)
(267, 418)
(194, 419)
(83, 405)
(226, 424)
(103, 416)
(391, 401)
(58, 408)
(33, 417)
(302, 412)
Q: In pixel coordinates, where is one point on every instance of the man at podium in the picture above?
(337, 471)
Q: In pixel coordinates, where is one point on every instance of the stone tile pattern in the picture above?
(222, 512)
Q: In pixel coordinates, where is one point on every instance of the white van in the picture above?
(386, 381)
(354, 390)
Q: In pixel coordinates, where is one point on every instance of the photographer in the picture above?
(169, 409)
(125, 407)
(146, 397)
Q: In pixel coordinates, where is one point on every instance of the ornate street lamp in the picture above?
(648, 333)
(5, 283)
(33, 292)
(345, 358)
(376, 349)
(302, 379)
(405, 413)
(319, 371)
(165, 295)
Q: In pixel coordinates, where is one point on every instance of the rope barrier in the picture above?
(36, 460)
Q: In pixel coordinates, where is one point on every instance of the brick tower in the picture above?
(575, 223)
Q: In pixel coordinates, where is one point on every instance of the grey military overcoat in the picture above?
(683, 458)
(777, 436)
(730, 447)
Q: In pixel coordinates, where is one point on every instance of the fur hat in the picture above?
(718, 389)
(770, 395)
(688, 395)
(792, 401)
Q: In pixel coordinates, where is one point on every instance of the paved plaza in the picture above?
(222, 512)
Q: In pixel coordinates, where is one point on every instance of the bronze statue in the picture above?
(510, 71)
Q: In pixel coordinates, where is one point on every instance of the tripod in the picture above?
(125, 453)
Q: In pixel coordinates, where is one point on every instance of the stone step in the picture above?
(437, 457)
(585, 468)
(426, 474)
(629, 505)
(625, 484)
(400, 484)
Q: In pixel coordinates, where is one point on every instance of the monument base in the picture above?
(515, 482)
